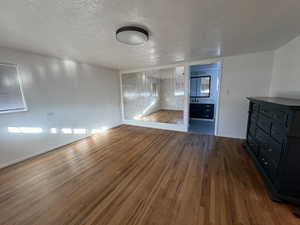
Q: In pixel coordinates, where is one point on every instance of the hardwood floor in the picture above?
(165, 116)
(140, 176)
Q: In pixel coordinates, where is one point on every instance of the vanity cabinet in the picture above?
(273, 141)
(202, 111)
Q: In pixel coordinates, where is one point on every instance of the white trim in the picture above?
(201, 119)
(121, 94)
(164, 126)
(21, 90)
(152, 68)
(221, 61)
(217, 108)
(186, 111)
(13, 111)
(203, 62)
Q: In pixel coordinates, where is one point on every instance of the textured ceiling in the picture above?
(84, 30)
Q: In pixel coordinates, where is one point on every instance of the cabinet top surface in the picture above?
(279, 101)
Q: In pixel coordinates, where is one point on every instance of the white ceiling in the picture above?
(84, 30)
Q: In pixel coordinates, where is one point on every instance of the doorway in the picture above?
(204, 87)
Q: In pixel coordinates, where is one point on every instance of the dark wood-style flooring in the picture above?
(165, 116)
(140, 176)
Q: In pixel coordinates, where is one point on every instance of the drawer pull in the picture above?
(270, 150)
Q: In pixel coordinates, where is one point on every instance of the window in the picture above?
(11, 95)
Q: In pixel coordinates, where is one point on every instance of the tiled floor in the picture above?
(202, 126)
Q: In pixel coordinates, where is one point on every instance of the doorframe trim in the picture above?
(220, 76)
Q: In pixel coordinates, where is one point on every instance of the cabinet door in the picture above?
(268, 166)
(202, 111)
(207, 111)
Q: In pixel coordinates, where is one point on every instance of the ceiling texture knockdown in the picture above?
(180, 30)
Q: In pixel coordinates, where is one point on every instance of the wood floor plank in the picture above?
(164, 116)
(140, 176)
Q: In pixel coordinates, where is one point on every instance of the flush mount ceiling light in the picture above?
(132, 35)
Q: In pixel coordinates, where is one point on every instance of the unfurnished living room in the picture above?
(140, 112)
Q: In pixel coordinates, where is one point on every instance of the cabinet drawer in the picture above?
(264, 123)
(278, 133)
(206, 116)
(208, 106)
(252, 128)
(252, 142)
(205, 111)
(266, 110)
(261, 136)
(267, 146)
(268, 166)
(280, 116)
(272, 152)
(254, 107)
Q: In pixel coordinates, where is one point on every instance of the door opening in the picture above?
(204, 87)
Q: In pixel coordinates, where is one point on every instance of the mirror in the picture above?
(154, 96)
(200, 87)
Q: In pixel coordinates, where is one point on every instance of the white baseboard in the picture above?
(209, 120)
(163, 126)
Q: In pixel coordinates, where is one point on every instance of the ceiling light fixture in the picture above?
(132, 35)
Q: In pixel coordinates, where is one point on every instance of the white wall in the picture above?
(63, 94)
(243, 76)
(59, 94)
(286, 71)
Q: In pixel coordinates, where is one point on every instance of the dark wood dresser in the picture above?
(273, 141)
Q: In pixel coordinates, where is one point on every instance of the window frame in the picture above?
(25, 108)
